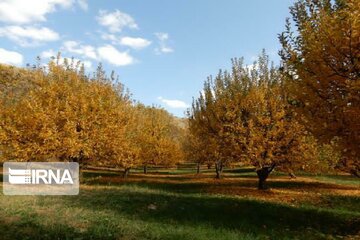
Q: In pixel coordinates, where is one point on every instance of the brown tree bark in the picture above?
(126, 172)
(292, 175)
(355, 172)
(218, 169)
(263, 174)
(198, 168)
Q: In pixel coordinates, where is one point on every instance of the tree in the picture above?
(63, 115)
(275, 138)
(205, 125)
(322, 62)
(159, 138)
(195, 148)
(244, 116)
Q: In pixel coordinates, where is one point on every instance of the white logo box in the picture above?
(41, 178)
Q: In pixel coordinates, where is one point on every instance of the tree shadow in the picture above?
(190, 183)
(313, 186)
(240, 170)
(28, 229)
(347, 203)
(220, 212)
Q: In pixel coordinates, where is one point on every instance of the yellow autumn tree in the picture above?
(275, 138)
(195, 148)
(321, 60)
(63, 115)
(244, 116)
(160, 138)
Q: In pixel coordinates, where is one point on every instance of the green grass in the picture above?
(340, 179)
(122, 210)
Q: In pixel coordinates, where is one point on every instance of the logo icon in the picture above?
(40, 178)
(19, 176)
(35, 176)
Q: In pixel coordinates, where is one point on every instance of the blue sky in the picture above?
(162, 50)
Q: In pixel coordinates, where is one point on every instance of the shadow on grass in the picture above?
(347, 203)
(240, 170)
(28, 229)
(248, 188)
(243, 215)
(308, 185)
(117, 177)
(185, 183)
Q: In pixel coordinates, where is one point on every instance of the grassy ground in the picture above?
(181, 205)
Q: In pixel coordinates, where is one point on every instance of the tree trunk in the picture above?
(145, 169)
(126, 172)
(218, 169)
(292, 175)
(198, 168)
(209, 166)
(263, 174)
(81, 175)
(80, 160)
(355, 172)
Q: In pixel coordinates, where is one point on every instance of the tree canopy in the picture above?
(244, 116)
(58, 113)
(322, 61)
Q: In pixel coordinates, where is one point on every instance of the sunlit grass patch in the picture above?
(193, 207)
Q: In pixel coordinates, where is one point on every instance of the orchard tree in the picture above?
(244, 116)
(321, 58)
(159, 138)
(218, 119)
(275, 138)
(63, 115)
(195, 147)
(129, 151)
(206, 125)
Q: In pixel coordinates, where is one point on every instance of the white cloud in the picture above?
(26, 11)
(83, 50)
(115, 57)
(110, 37)
(10, 57)
(163, 47)
(173, 103)
(136, 43)
(28, 36)
(83, 4)
(116, 21)
(107, 53)
(162, 36)
(87, 64)
(48, 54)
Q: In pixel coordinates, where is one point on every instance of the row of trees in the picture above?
(300, 116)
(303, 115)
(59, 113)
